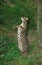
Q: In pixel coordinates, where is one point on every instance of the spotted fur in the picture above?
(22, 38)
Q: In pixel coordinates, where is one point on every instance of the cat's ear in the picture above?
(21, 18)
(26, 18)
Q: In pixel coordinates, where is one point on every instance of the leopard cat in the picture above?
(22, 37)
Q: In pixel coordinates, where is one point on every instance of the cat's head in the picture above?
(24, 18)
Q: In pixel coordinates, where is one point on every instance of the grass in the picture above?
(10, 17)
(10, 54)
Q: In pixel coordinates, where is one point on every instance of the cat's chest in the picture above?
(19, 32)
(20, 29)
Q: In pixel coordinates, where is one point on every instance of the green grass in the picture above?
(10, 17)
(10, 54)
